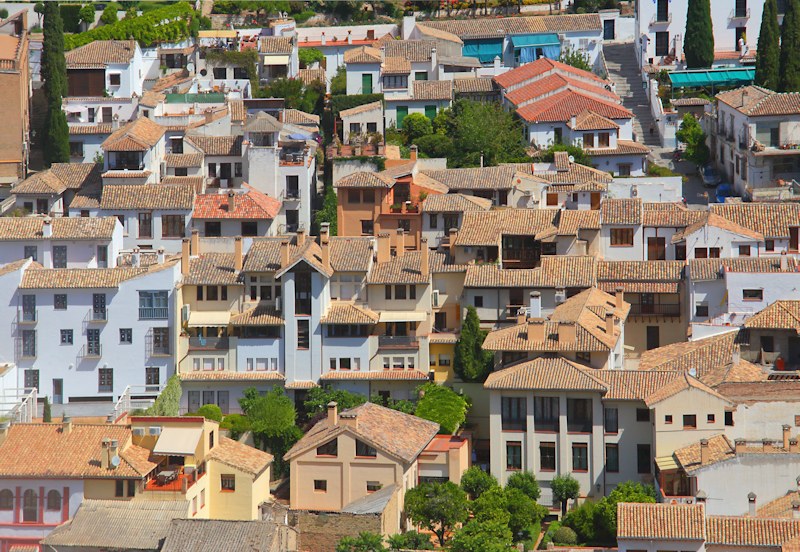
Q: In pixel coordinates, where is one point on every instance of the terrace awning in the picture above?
(739, 76)
(527, 45)
(485, 50)
(178, 441)
(199, 319)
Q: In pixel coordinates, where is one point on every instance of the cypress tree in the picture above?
(699, 44)
(471, 362)
(54, 75)
(768, 53)
(789, 78)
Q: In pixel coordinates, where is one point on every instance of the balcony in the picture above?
(661, 19)
(27, 317)
(153, 313)
(397, 342)
(292, 159)
(25, 348)
(739, 14)
(290, 228)
(368, 150)
(176, 480)
(91, 350)
(290, 195)
(98, 316)
(200, 343)
(639, 309)
(407, 207)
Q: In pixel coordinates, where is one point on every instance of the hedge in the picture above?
(342, 102)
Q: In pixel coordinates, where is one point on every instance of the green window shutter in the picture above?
(430, 112)
(421, 75)
(402, 111)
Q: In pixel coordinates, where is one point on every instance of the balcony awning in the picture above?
(738, 76)
(178, 441)
(402, 316)
(276, 60)
(209, 318)
(484, 49)
(535, 40)
(216, 34)
(666, 463)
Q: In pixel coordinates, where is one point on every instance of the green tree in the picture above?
(578, 154)
(583, 521)
(435, 145)
(47, 415)
(789, 79)
(318, 398)
(54, 75)
(410, 540)
(437, 506)
(691, 134)
(475, 482)
(401, 405)
(471, 362)
(56, 148)
(109, 14)
(310, 56)
(526, 483)
(87, 14)
(236, 424)
(492, 505)
(339, 82)
(210, 412)
(575, 58)
(364, 542)
(39, 9)
(565, 488)
(768, 54)
(416, 125)
(699, 41)
(273, 422)
(565, 536)
(606, 514)
(168, 403)
(329, 211)
(523, 512)
(442, 405)
(476, 536)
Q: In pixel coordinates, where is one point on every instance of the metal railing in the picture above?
(208, 343)
(291, 195)
(738, 14)
(27, 316)
(397, 341)
(91, 350)
(153, 313)
(24, 350)
(639, 309)
(19, 405)
(290, 228)
(658, 19)
(136, 397)
(97, 315)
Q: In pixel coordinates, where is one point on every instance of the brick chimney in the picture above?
(787, 435)
(195, 242)
(535, 304)
(350, 420)
(784, 262)
(238, 260)
(739, 446)
(705, 454)
(619, 295)
(751, 504)
(424, 257)
(536, 330)
(325, 245)
(610, 323)
(301, 237)
(399, 243)
(104, 444)
(566, 332)
(185, 257)
(384, 253)
(412, 155)
(333, 413)
(231, 202)
(767, 445)
(453, 232)
(47, 227)
(284, 253)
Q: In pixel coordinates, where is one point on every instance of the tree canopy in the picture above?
(525, 482)
(691, 134)
(439, 507)
(789, 78)
(442, 405)
(629, 491)
(471, 362)
(318, 398)
(565, 488)
(364, 542)
(576, 58)
(410, 540)
(768, 54)
(699, 41)
(272, 418)
(475, 481)
(168, 403)
(482, 536)
(578, 154)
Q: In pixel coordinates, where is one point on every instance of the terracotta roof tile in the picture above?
(173, 79)
(413, 50)
(474, 85)
(772, 220)
(439, 34)
(633, 385)
(399, 270)
(363, 108)
(589, 120)
(63, 228)
(212, 269)
(640, 276)
(363, 54)
(138, 135)
(237, 110)
(701, 355)
(744, 531)
(543, 66)
(677, 385)
(552, 373)
(624, 147)
(240, 456)
(83, 129)
(260, 315)
(396, 66)
(782, 314)
(660, 521)
(500, 27)
(716, 221)
(350, 254)
(758, 102)
(340, 312)
(184, 160)
(719, 449)
(570, 222)
(251, 205)
(310, 76)
(712, 269)
(77, 175)
(101, 53)
(488, 178)
(375, 375)
(686, 102)
(559, 81)
(297, 117)
(455, 203)
(275, 45)
(130, 197)
(229, 146)
(555, 272)
(432, 90)
(364, 180)
(78, 278)
(562, 106)
(480, 228)
(621, 211)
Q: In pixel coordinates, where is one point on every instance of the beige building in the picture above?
(15, 93)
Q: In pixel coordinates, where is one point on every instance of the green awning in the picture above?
(535, 40)
(211, 97)
(485, 49)
(739, 76)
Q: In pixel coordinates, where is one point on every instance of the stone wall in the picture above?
(321, 531)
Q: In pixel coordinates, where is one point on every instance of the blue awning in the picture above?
(738, 76)
(535, 40)
(485, 49)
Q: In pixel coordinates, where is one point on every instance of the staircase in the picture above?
(623, 70)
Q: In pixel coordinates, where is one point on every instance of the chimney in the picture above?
(767, 445)
(301, 237)
(566, 332)
(333, 414)
(104, 452)
(573, 122)
(66, 425)
(787, 435)
(195, 242)
(453, 235)
(136, 257)
(113, 450)
(399, 243)
(739, 446)
(705, 454)
(412, 155)
(237, 253)
(521, 318)
(231, 202)
(795, 509)
(424, 257)
(323, 39)
(751, 504)
(619, 294)
(610, 323)
(325, 245)
(701, 496)
(536, 329)
(160, 255)
(535, 304)
(209, 115)
(784, 262)
(284, 253)
(4, 427)
(350, 420)
(47, 227)
(744, 97)
(384, 247)
(736, 355)
(349, 37)
(185, 257)
(793, 445)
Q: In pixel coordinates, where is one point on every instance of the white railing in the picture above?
(18, 405)
(136, 397)
(735, 14)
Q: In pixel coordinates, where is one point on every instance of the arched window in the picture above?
(30, 506)
(53, 500)
(6, 500)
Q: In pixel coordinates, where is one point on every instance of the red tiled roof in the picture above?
(249, 205)
(553, 82)
(540, 67)
(562, 106)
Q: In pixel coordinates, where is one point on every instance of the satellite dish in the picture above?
(190, 67)
(571, 158)
(115, 461)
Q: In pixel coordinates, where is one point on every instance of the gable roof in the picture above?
(63, 228)
(588, 120)
(399, 270)
(557, 81)
(139, 135)
(396, 433)
(253, 204)
(412, 50)
(477, 28)
(363, 108)
(216, 535)
(716, 221)
(362, 54)
(543, 66)
(772, 220)
(756, 101)
(364, 179)
(342, 312)
(621, 211)
(640, 276)
(563, 105)
(480, 228)
(560, 271)
(240, 456)
(783, 314)
(550, 372)
(455, 203)
(275, 45)
(681, 383)
(700, 355)
(690, 458)
(212, 269)
(262, 122)
(431, 90)
(660, 521)
(228, 146)
(59, 178)
(129, 197)
(100, 53)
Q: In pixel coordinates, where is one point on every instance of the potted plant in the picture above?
(396, 207)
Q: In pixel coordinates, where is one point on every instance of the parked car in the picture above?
(710, 175)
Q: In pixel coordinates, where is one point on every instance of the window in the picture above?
(624, 169)
(66, 337)
(213, 229)
(642, 415)
(105, 380)
(433, 220)
(114, 80)
(119, 488)
(28, 343)
(744, 250)
(372, 127)
(6, 500)
(249, 228)
(579, 415)
(331, 448)
(580, 457)
(621, 237)
(146, 224)
(513, 413)
(662, 43)
(444, 360)
(93, 342)
(30, 506)
(31, 379)
(701, 310)
(373, 486)
(588, 140)
(227, 482)
(668, 419)
(321, 485)
(152, 375)
(395, 81)
(368, 196)
(364, 450)
(172, 226)
(59, 256)
(478, 301)
(514, 455)
(689, 421)
(404, 224)
(611, 420)
(160, 342)
(752, 294)
(714, 252)
(354, 196)
(400, 292)
(603, 139)
(545, 413)
(729, 418)
(31, 252)
(212, 293)
(643, 458)
(421, 75)
(450, 222)
(367, 227)
(126, 335)
(547, 456)
(154, 305)
(303, 337)
(76, 149)
(53, 500)
(612, 458)
(769, 245)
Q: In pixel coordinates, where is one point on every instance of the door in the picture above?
(366, 83)
(146, 225)
(793, 238)
(648, 303)
(740, 32)
(102, 256)
(29, 308)
(608, 29)
(662, 10)
(41, 206)
(656, 249)
(595, 199)
(652, 337)
(402, 112)
(99, 306)
(794, 352)
(516, 299)
(557, 135)
(430, 112)
(58, 391)
(223, 401)
(194, 401)
(93, 342)
(662, 43)
(208, 397)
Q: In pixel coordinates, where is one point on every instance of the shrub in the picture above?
(71, 17)
(435, 145)
(169, 401)
(110, 13)
(443, 406)
(415, 126)
(475, 482)
(583, 521)
(210, 412)
(236, 424)
(3, 13)
(309, 56)
(565, 536)
(525, 482)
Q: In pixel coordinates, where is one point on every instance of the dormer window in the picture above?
(363, 450)
(331, 448)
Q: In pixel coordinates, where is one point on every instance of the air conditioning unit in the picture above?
(186, 310)
(435, 298)
(561, 296)
(163, 168)
(154, 430)
(138, 431)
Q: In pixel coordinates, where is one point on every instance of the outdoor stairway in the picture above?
(623, 70)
